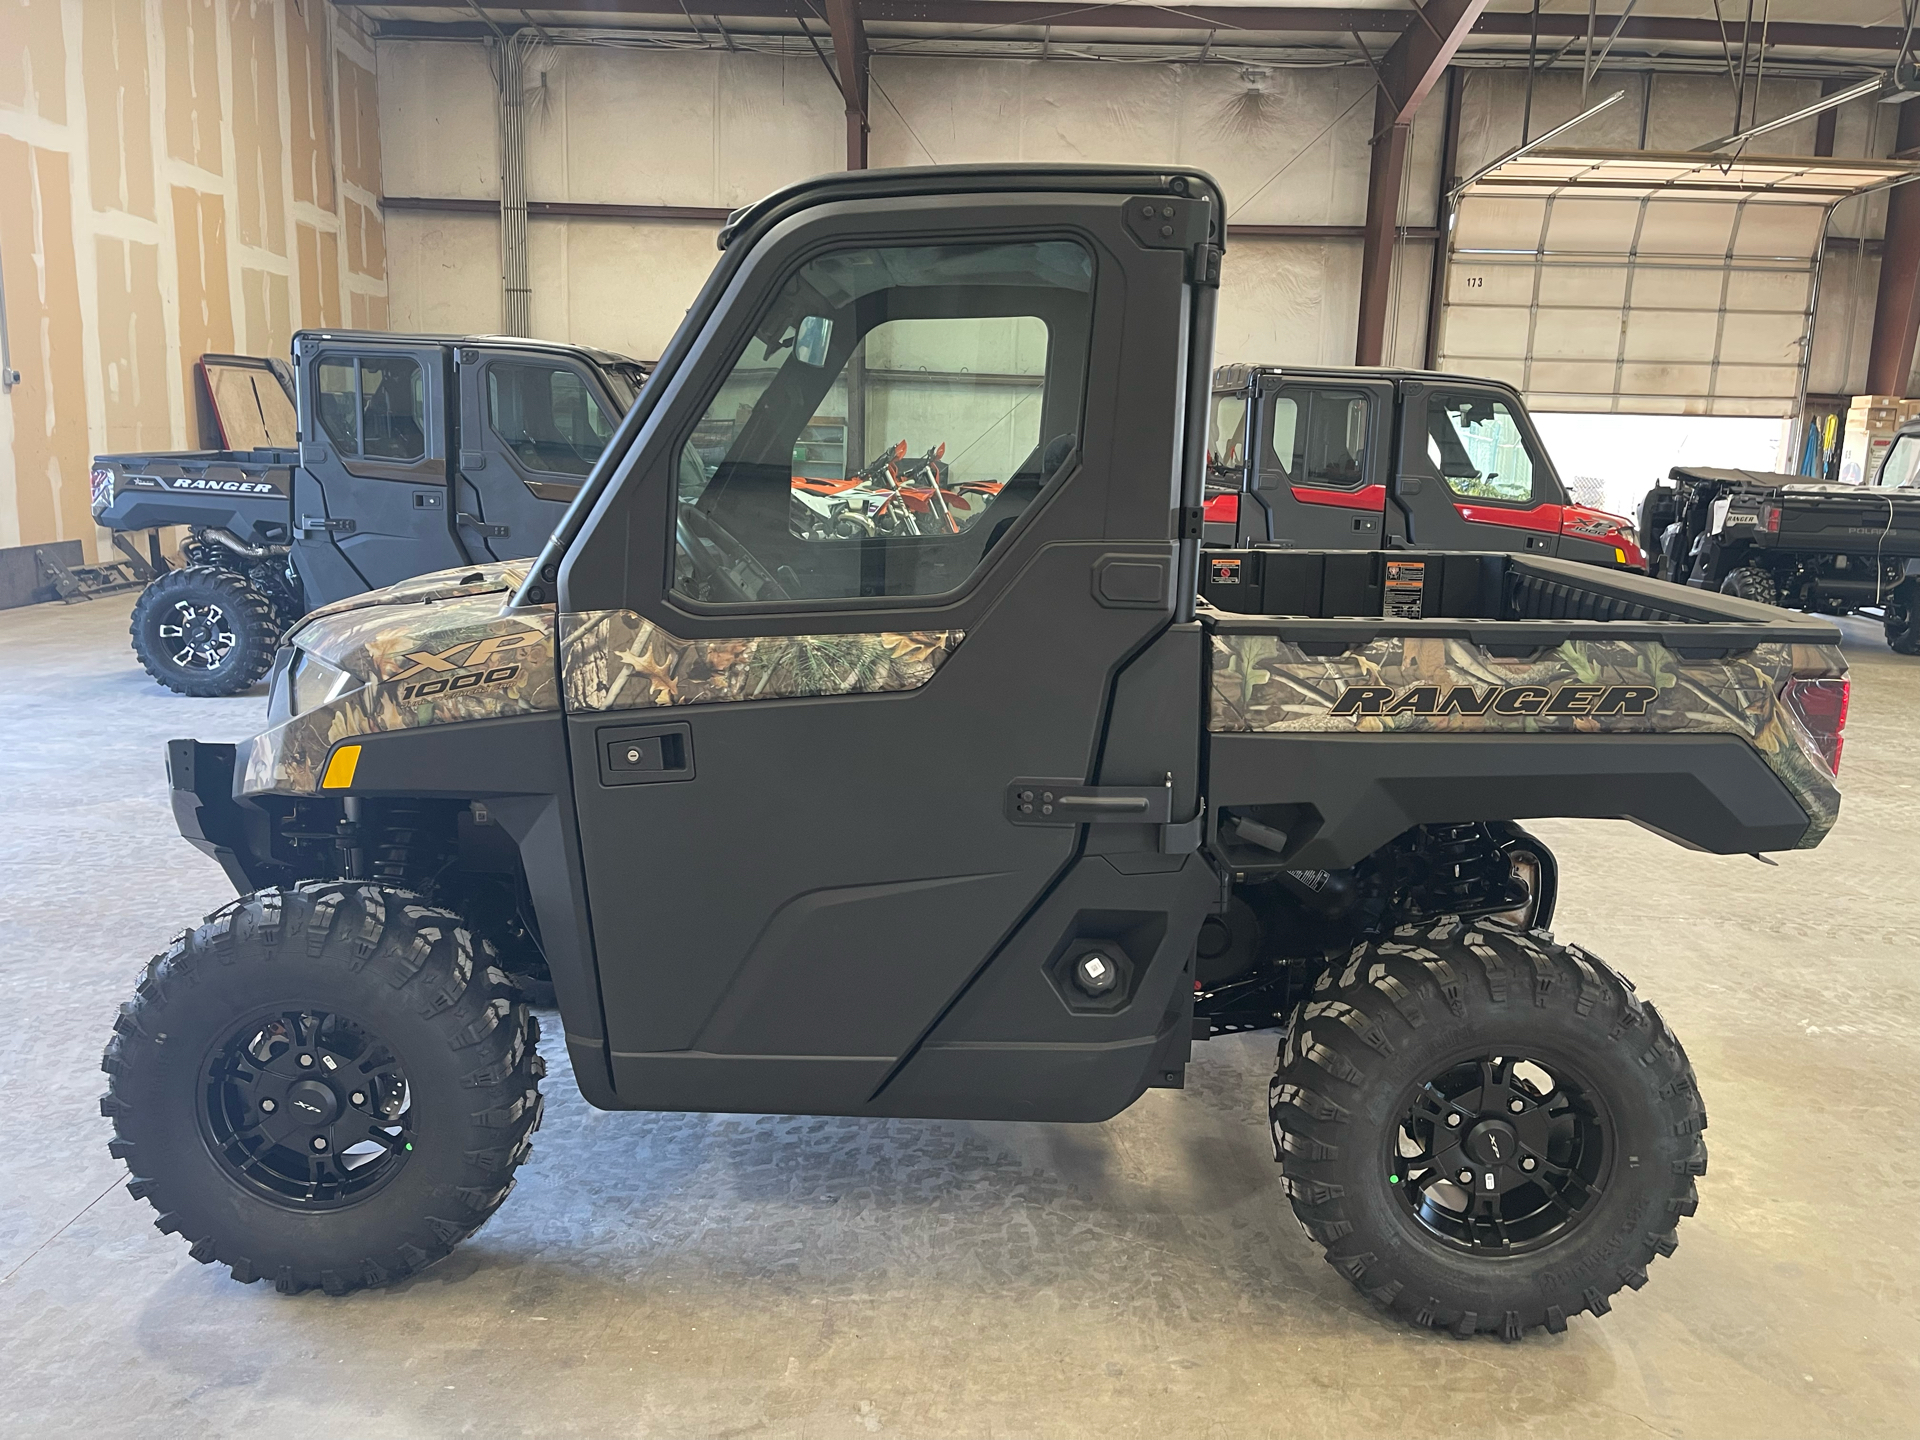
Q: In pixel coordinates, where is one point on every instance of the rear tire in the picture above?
(1902, 624)
(1615, 1134)
(1750, 582)
(319, 1087)
(204, 631)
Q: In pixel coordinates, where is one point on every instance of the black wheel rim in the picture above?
(307, 1108)
(196, 636)
(1501, 1154)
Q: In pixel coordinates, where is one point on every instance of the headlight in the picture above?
(311, 682)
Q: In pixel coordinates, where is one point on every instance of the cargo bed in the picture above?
(1699, 715)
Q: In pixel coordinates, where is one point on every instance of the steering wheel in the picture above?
(721, 575)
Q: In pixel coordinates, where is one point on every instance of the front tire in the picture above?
(204, 631)
(318, 1086)
(1428, 1070)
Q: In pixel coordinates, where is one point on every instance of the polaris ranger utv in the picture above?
(413, 453)
(989, 824)
(1360, 459)
(1785, 540)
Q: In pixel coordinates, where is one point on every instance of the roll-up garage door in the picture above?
(1643, 281)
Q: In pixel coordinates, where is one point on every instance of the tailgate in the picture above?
(1861, 523)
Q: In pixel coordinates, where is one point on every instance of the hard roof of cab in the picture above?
(1236, 374)
(509, 342)
(912, 180)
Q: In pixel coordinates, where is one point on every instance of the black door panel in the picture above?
(1472, 474)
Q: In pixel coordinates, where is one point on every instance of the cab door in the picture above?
(1472, 474)
(799, 754)
(1319, 472)
(532, 426)
(372, 486)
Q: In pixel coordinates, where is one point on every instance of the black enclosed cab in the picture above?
(375, 458)
(1369, 459)
(1785, 540)
(991, 818)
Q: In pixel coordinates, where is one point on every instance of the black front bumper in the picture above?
(213, 822)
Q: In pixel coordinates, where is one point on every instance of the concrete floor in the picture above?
(696, 1275)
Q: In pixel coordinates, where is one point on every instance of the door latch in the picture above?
(1038, 801)
(309, 523)
(497, 532)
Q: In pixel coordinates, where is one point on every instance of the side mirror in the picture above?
(811, 340)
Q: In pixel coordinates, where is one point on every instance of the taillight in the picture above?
(102, 486)
(1821, 708)
(1223, 510)
(1773, 526)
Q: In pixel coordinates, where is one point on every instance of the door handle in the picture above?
(314, 522)
(1035, 801)
(498, 532)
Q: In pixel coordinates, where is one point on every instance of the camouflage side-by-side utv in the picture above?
(988, 822)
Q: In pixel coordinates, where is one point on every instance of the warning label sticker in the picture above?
(1405, 592)
(1226, 571)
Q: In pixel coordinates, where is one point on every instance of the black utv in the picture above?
(1785, 540)
(377, 457)
(991, 820)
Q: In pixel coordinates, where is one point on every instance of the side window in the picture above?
(1902, 465)
(547, 416)
(1476, 443)
(1319, 437)
(895, 413)
(1227, 432)
(374, 406)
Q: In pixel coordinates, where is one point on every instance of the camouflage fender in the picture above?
(1420, 685)
(618, 660)
(454, 659)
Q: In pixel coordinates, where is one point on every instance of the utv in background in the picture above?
(1365, 459)
(375, 459)
(1785, 540)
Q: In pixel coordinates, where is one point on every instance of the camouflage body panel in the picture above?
(437, 661)
(439, 585)
(1418, 685)
(618, 660)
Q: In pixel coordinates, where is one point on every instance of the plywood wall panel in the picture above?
(131, 328)
(359, 113)
(310, 103)
(366, 240)
(190, 30)
(262, 211)
(319, 276)
(50, 454)
(266, 312)
(113, 59)
(200, 257)
(33, 59)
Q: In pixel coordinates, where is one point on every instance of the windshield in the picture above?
(1902, 461)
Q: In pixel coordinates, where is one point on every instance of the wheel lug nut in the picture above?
(1528, 1163)
(306, 1062)
(319, 1142)
(268, 1106)
(358, 1098)
(1465, 1177)
(1453, 1122)
(1516, 1105)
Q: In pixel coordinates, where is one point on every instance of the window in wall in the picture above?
(1477, 444)
(374, 406)
(546, 415)
(1319, 437)
(895, 413)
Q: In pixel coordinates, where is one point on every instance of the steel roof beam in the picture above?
(1197, 20)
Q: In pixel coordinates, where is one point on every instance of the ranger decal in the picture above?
(1495, 700)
